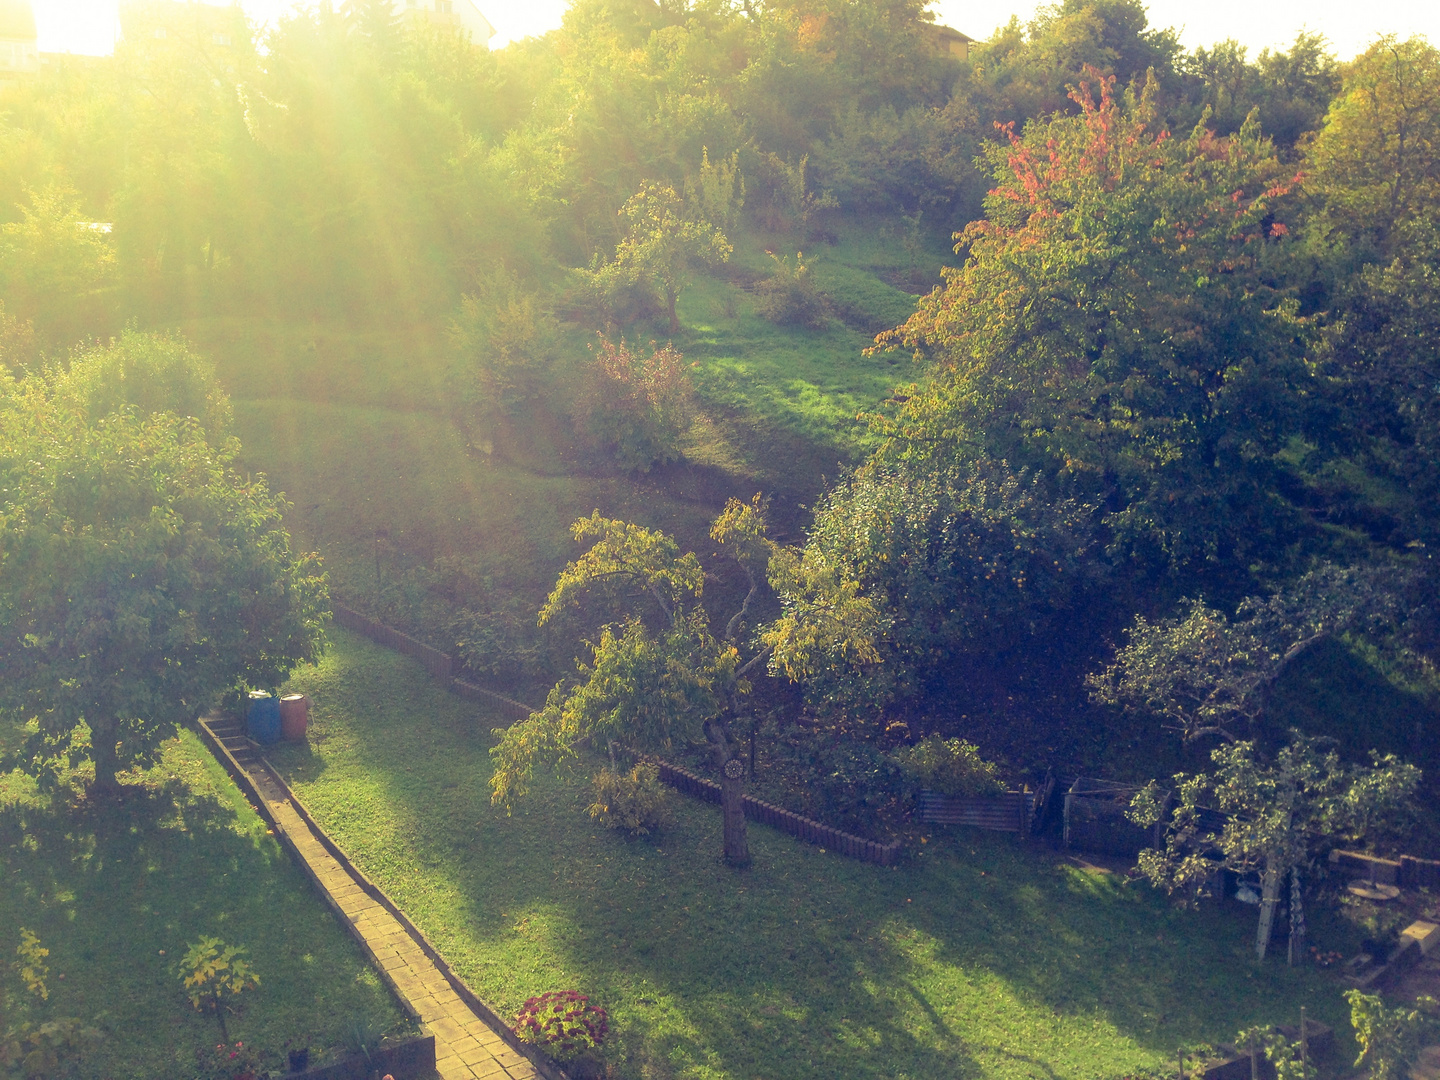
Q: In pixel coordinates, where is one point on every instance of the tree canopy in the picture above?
(141, 575)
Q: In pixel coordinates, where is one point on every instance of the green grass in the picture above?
(117, 891)
(358, 427)
(978, 957)
(781, 381)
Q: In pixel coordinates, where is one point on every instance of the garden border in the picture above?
(482, 1012)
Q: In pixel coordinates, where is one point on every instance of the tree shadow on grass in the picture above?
(981, 956)
(118, 888)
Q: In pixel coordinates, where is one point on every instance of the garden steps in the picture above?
(471, 1043)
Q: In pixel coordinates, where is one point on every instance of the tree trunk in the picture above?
(672, 297)
(1269, 900)
(107, 761)
(220, 1015)
(1297, 920)
(732, 796)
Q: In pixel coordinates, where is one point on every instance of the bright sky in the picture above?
(89, 26)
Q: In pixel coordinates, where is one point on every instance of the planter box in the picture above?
(1095, 820)
(1319, 1039)
(1009, 812)
(408, 1060)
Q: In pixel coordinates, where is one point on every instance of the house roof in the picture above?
(949, 33)
(17, 21)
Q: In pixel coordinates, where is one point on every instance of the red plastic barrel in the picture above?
(294, 716)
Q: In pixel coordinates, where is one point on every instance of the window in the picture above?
(160, 33)
(445, 7)
(220, 39)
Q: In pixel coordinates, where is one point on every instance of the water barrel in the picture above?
(262, 722)
(294, 716)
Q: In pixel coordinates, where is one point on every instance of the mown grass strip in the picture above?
(979, 957)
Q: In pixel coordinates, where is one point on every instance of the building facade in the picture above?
(19, 52)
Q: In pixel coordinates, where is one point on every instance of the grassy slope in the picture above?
(116, 894)
(977, 958)
(357, 427)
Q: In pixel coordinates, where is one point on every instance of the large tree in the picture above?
(1116, 326)
(660, 674)
(141, 575)
(1375, 165)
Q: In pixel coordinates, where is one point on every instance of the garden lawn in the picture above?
(978, 957)
(116, 891)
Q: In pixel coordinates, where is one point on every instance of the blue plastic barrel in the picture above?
(263, 720)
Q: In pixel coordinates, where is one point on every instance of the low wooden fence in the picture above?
(777, 817)
(442, 666)
(439, 664)
(1407, 872)
(1008, 812)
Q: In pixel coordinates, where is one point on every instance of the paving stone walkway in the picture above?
(466, 1047)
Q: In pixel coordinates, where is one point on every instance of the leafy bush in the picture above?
(563, 1023)
(153, 373)
(638, 405)
(214, 975)
(613, 296)
(503, 342)
(970, 565)
(37, 1049)
(1390, 1038)
(951, 767)
(845, 782)
(789, 297)
(635, 802)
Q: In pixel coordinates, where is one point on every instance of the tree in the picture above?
(1277, 817)
(664, 244)
(651, 683)
(215, 974)
(965, 564)
(140, 576)
(1117, 328)
(56, 267)
(1291, 90)
(1206, 674)
(1375, 165)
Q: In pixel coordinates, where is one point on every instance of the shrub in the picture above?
(214, 975)
(503, 342)
(638, 405)
(1390, 1037)
(635, 802)
(563, 1023)
(614, 295)
(789, 297)
(951, 767)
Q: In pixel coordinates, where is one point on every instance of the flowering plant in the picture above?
(563, 1023)
(230, 1061)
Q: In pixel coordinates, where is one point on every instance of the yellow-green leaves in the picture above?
(629, 554)
(826, 624)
